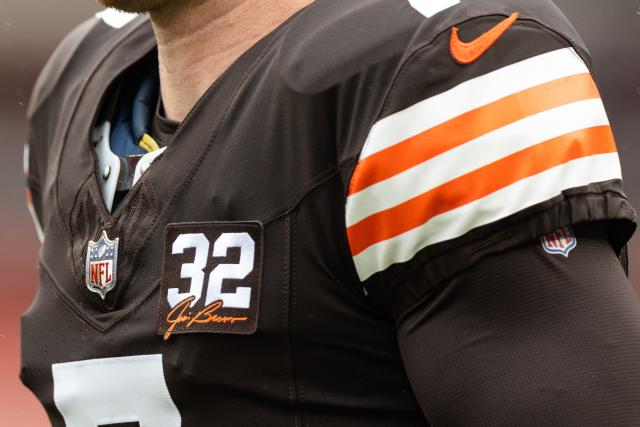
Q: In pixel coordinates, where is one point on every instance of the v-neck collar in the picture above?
(131, 49)
(77, 189)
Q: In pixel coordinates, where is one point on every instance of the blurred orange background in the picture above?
(29, 31)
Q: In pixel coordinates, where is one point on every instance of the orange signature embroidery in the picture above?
(182, 315)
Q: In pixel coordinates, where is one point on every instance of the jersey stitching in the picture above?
(286, 320)
(421, 50)
(603, 195)
(86, 317)
(199, 159)
(417, 53)
(79, 275)
(294, 322)
(320, 180)
(172, 192)
(293, 202)
(61, 295)
(197, 163)
(403, 68)
(68, 122)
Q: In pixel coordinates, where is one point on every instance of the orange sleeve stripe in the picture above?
(478, 184)
(433, 142)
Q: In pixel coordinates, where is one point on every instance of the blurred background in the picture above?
(30, 30)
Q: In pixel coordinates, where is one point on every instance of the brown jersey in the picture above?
(345, 169)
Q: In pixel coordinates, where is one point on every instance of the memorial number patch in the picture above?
(211, 278)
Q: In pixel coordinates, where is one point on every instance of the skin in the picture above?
(199, 39)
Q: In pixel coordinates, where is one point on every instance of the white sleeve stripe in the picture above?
(474, 155)
(471, 95)
(505, 202)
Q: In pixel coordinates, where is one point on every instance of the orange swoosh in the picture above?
(467, 52)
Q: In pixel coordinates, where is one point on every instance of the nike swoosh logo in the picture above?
(467, 52)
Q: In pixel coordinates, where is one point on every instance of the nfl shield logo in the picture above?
(560, 242)
(102, 259)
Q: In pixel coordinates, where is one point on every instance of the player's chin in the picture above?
(136, 6)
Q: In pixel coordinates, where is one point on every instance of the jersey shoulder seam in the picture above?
(489, 247)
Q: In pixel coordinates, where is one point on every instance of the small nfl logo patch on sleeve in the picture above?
(560, 242)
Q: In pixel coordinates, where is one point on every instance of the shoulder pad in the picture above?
(332, 41)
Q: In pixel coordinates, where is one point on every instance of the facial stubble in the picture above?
(136, 6)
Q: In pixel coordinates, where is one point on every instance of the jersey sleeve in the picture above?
(471, 159)
(528, 338)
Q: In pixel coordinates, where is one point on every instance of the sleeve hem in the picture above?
(437, 265)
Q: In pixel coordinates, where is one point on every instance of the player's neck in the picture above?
(199, 39)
